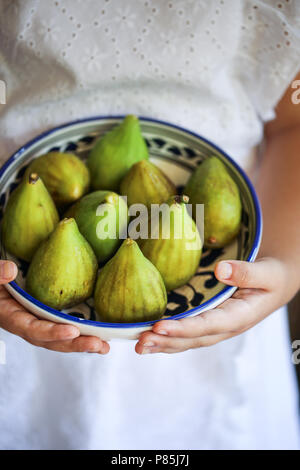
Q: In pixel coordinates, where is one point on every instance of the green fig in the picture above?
(146, 184)
(62, 272)
(102, 218)
(65, 176)
(29, 217)
(212, 185)
(115, 153)
(175, 245)
(129, 288)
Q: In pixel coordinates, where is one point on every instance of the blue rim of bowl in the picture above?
(226, 292)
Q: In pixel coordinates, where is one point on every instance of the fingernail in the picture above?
(146, 351)
(225, 270)
(92, 350)
(102, 351)
(149, 344)
(8, 270)
(72, 333)
(162, 332)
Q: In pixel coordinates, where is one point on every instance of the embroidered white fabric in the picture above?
(217, 68)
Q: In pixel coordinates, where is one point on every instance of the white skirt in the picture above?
(239, 394)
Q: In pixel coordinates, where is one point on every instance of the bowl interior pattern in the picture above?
(175, 151)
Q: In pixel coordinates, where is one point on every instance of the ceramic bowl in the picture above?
(177, 152)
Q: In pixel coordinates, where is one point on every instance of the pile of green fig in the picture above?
(64, 231)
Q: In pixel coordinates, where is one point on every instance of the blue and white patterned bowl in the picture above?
(177, 151)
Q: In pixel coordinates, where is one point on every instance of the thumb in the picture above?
(244, 274)
(8, 271)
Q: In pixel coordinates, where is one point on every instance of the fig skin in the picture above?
(212, 185)
(115, 153)
(85, 214)
(177, 257)
(129, 288)
(65, 176)
(146, 184)
(62, 272)
(29, 217)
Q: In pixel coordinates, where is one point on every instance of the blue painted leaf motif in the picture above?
(175, 150)
(190, 152)
(92, 315)
(54, 149)
(13, 186)
(23, 267)
(197, 297)
(76, 314)
(211, 282)
(159, 142)
(180, 300)
(211, 257)
(245, 218)
(246, 239)
(71, 147)
(2, 200)
(88, 139)
(147, 143)
(245, 224)
(21, 172)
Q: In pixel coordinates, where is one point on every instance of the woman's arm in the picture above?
(274, 278)
(279, 188)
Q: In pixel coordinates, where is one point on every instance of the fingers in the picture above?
(230, 317)
(42, 333)
(90, 344)
(22, 323)
(250, 275)
(233, 317)
(53, 336)
(150, 343)
(42, 330)
(8, 271)
(251, 303)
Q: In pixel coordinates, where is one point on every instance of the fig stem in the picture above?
(181, 199)
(33, 178)
(111, 198)
(67, 220)
(129, 241)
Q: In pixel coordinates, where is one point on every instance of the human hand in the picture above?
(263, 288)
(45, 334)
